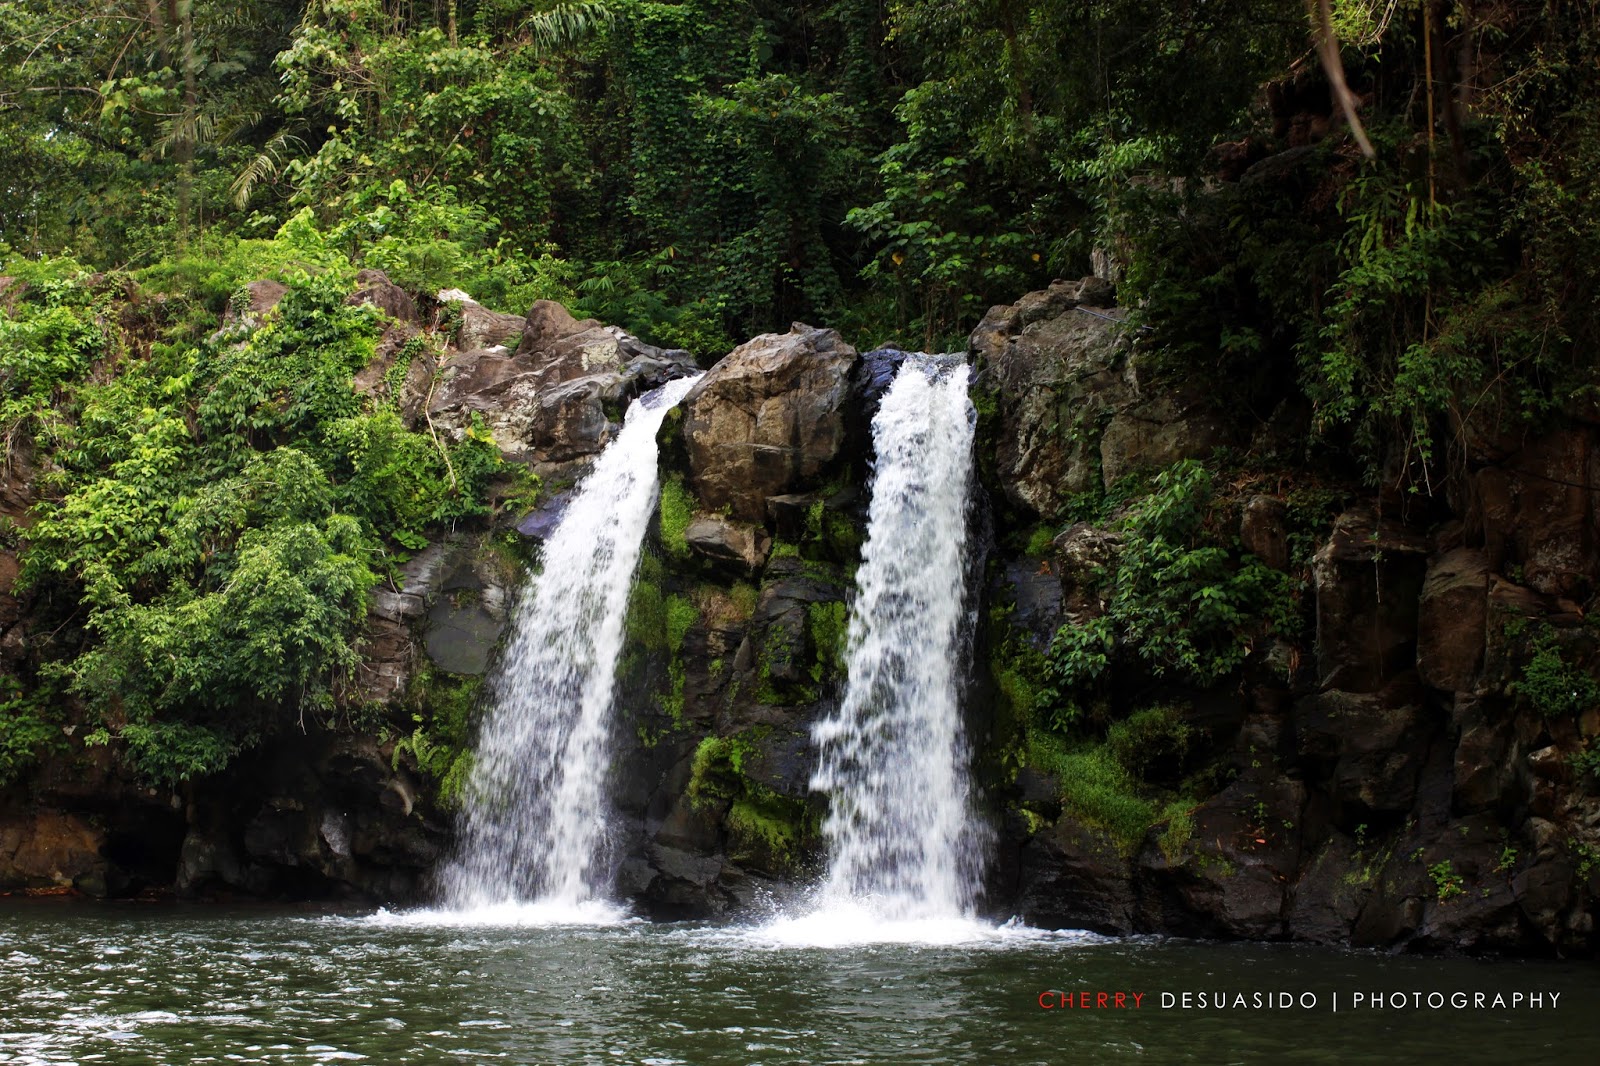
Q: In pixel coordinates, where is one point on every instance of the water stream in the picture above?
(904, 846)
(533, 834)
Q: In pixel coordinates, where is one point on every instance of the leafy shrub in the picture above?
(1152, 743)
(1553, 685)
(25, 729)
(1183, 603)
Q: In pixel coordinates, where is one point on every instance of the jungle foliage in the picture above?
(212, 510)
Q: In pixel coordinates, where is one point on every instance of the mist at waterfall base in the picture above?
(533, 833)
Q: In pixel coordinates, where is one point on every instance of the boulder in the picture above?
(409, 394)
(563, 348)
(1074, 877)
(768, 419)
(1058, 376)
(1451, 617)
(258, 298)
(477, 326)
(1084, 555)
(374, 287)
(1364, 750)
(743, 544)
(1331, 891)
(1158, 431)
(48, 849)
(1073, 414)
(542, 521)
(569, 419)
(1538, 509)
(1485, 766)
(1245, 849)
(555, 398)
(1262, 531)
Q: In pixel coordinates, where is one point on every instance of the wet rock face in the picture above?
(1073, 411)
(551, 389)
(320, 815)
(1451, 619)
(1368, 579)
(767, 419)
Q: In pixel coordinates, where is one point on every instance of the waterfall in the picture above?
(534, 826)
(893, 759)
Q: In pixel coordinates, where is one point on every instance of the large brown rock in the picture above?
(1158, 431)
(1539, 509)
(1450, 620)
(477, 326)
(1058, 374)
(1073, 412)
(768, 419)
(374, 287)
(743, 544)
(46, 849)
(553, 399)
(1071, 876)
(407, 391)
(1364, 750)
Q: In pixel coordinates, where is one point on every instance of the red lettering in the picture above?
(1100, 1000)
(1122, 1001)
(1044, 1000)
(1083, 1001)
(1137, 997)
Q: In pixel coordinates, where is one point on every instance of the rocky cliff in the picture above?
(1369, 724)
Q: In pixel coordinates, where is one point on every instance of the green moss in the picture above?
(1041, 541)
(647, 614)
(768, 829)
(828, 623)
(681, 615)
(717, 770)
(676, 509)
(1095, 789)
(1179, 818)
(782, 549)
(764, 828)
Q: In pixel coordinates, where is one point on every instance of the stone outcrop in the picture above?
(767, 419)
(558, 394)
(1073, 410)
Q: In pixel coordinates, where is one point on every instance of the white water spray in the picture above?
(534, 829)
(893, 759)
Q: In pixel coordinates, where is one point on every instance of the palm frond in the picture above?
(568, 24)
(265, 166)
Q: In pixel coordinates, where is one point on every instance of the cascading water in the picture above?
(534, 826)
(893, 759)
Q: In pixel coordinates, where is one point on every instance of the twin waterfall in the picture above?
(535, 824)
(892, 759)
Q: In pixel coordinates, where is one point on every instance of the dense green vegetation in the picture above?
(212, 509)
(704, 169)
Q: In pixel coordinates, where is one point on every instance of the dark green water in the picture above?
(133, 984)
